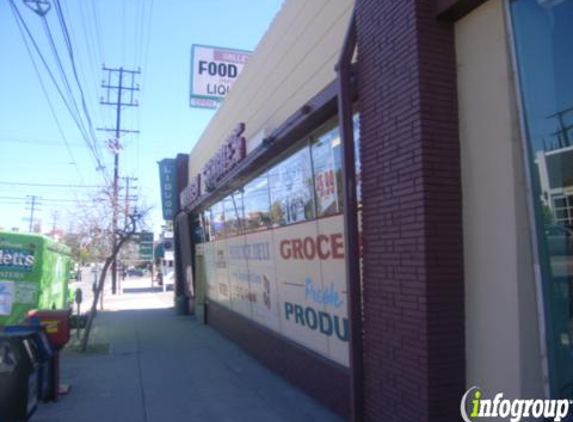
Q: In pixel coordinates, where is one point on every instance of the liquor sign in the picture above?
(167, 179)
(226, 158)
(191, 192)
(213, 71)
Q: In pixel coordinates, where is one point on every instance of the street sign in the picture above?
(144, 241)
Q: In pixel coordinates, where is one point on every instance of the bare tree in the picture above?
(94, 240)
(123, 236)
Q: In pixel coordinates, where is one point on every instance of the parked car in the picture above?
(134, 272)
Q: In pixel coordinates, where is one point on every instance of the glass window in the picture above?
(543, 32)
(325, 150)
(234, 214)
(291, 188)
(198, 228)
(257, 204)
(217, 221)
(205, 219)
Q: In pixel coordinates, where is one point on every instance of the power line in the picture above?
(44, 199)
(19, 203)
(64, 139)
(89, 133)
(46, 142)
(68, 102)
(98, 32)
(51, 185)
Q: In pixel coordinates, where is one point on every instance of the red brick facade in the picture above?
(412, 233)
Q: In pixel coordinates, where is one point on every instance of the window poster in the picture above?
(239, 283)
(325, 173)
(6, 296)
(332, 294)
(262, 278)
(210, 271)
(221, 271)
(298, 273)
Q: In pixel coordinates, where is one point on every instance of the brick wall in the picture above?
(413, 259)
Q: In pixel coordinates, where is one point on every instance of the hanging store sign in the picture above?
(233, 151)
(167, 180)
(213, 72)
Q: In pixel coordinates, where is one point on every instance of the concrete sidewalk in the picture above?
(149, 365)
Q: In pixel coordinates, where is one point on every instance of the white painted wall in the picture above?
(502, 338)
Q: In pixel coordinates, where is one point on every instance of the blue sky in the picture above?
(40, 149)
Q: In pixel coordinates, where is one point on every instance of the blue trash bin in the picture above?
(46, 353)
(19, 365)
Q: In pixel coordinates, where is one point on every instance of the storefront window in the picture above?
(291, 187)
(257, 204)
(198, 228)
(543, 31)
(325, 150)
(205, 221)
(234, 214)
(217, 221)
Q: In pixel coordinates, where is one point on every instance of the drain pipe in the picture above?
(351, 234)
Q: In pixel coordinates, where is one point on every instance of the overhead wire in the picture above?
(51, 185)
(22, 24)
(98, 31)
(89, 132)
(44, 90)
(143, 58)
(43, 199)
(75, 72)
(44, 142)
(89, 30)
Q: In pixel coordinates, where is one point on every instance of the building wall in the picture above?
(293, 62)
(412, 234)
(502, 337)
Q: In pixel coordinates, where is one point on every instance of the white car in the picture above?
(169, 278)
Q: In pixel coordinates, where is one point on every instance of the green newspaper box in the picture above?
(34, 273)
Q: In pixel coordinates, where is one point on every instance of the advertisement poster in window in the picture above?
(222, 272)
(333, 294)
(298, 272)
(239, 285)
(262, 276)
(325, 183)
(210, 270)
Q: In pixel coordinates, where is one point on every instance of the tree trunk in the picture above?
(99, 290)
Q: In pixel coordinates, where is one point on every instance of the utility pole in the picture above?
(33, 203)
(55, 217)
(125, 83)
(128, 197)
